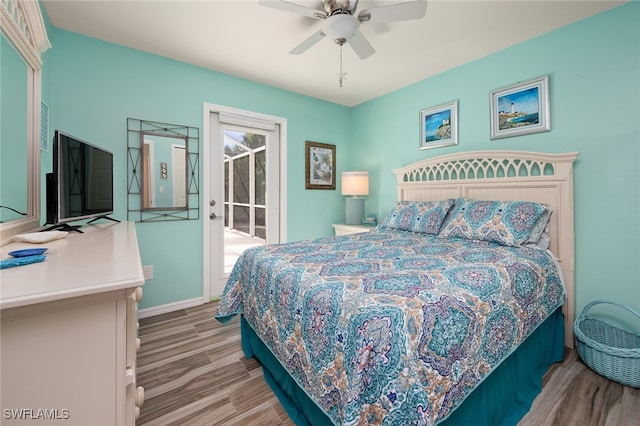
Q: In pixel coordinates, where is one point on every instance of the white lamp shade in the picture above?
(355, 183)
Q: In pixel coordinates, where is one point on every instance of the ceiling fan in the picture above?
(343, 25)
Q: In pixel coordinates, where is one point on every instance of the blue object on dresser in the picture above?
(20, 261)
(27, 252)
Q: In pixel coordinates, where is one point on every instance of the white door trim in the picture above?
(208, 109)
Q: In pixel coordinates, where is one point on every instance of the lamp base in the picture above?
(353, 210)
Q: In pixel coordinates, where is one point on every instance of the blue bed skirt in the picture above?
(503, 398)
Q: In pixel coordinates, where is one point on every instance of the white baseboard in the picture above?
(163, 309)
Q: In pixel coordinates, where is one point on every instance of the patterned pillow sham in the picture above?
(424, 217)
(508, 223)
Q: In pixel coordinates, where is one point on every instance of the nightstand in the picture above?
(343, 229)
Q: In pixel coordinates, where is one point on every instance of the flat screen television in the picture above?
(81, 185)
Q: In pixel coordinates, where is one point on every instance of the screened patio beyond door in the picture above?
(244, 192)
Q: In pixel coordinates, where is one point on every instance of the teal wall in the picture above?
(93, 86)
(13, 127)
(594, 69)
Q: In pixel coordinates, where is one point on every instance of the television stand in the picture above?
(104, 216)
(64, 227)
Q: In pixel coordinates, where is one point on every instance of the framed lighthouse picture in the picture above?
(439, 126)
(521, 109)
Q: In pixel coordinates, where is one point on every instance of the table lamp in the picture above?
(354, 184)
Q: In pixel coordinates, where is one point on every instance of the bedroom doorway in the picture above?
(243, 170)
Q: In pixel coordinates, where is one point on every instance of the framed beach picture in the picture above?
(521, 109)
(320, 165)
(439, 126)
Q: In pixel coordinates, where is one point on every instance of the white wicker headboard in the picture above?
(509, 176)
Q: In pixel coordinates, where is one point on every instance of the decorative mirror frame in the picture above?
(23, 25)
(136, 129)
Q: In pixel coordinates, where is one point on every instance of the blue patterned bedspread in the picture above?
(391, 327)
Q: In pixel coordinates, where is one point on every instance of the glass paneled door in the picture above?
(245, 187)
(244, 203)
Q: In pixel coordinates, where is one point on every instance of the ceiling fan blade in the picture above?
(293, 8)
(361, 45)
(353, 6)
(394, 12)
(305, 45)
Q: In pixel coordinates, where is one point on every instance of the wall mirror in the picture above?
(23, 39)
(162, 171)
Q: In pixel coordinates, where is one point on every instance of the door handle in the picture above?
(213, 216)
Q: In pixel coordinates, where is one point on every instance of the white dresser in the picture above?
(69, 331)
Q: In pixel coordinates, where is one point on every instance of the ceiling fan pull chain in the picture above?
(341, 74)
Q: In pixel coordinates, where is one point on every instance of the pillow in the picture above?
(540, 237)
(509, 223)
(424, 217)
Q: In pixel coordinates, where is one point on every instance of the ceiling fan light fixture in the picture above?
(342, 26)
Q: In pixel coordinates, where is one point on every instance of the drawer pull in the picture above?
(137, 295)
(139, 396)
(130, 376)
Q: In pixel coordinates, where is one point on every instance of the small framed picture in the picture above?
(521, 109)
(439, 126)
(320, 165)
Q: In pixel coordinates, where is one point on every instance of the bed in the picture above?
(450, 312)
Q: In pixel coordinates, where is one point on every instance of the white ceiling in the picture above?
(245, 39)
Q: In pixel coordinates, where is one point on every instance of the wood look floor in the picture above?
(194, 373)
